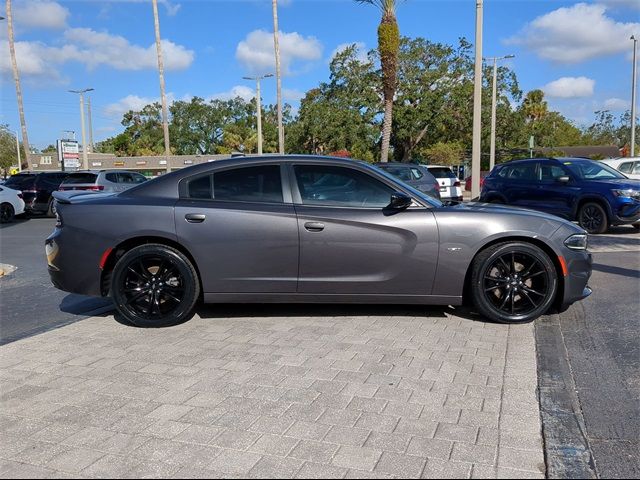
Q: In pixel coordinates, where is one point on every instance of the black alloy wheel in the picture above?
(7, 213)
(154, 286)
(513, 282)
(593, 218)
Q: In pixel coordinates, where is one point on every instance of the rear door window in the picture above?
(521, 171)
(111, 177)
(417, 174)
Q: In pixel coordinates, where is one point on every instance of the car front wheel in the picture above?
(513, 282)
(155, 285)
(593, 218)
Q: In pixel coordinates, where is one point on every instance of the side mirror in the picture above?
(399, 201)
(564, 179)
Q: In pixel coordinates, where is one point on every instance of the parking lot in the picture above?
(265, 391)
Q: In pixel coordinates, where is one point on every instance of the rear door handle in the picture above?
(195, 217)
(314, 226)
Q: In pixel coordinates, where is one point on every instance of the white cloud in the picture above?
(292, 95)
(360, 47)
(630, 4)
(130, 102)
(40, 14)
(575, 34)
(616, 104)
(241, 91)
(256, 52)
(570, 87)
(102, 48)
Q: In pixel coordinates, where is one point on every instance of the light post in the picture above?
(633, 98)
(259, 107)
(276, 47)
(163, 96)
(492, 150)
(477, 106)
(18, 151)
(85, 160)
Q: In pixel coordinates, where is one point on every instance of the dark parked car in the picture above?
(415, 175)
(36, 188)
(592, 193)
(308, 229)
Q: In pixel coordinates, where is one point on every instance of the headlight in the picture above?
(579, 241)
(627, 193)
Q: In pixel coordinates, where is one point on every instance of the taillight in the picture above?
(58, 219)
(456, 184)
(20, 195)
(29, 191)
(96, 188)
(62, 189)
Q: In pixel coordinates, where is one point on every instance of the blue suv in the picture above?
(590, 192)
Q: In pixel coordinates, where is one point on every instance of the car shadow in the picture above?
(16, 221)
(624, 272)
(289, 310)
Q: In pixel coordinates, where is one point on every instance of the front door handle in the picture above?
(195, 217)
(314, 226)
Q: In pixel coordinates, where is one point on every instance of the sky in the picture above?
(579, 53)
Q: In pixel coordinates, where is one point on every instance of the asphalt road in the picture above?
(29, 304)
(589, 369)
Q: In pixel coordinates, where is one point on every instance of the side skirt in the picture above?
(331, 298)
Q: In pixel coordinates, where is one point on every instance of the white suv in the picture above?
(450, 188)
(102, 180)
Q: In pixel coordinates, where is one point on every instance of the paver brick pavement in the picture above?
(378, 393)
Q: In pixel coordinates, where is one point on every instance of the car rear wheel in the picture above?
(155, 285)
(593, 218)
(7, 213)
(513, 282)
(51, 209)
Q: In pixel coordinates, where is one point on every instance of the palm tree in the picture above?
(388, 48)
(163, 97)
(535, 107)
(16, 78)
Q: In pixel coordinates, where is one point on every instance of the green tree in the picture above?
(8, 152)
(445, 153)
(388, 48)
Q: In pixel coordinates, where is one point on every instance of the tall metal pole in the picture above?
(492, 150)
(477, 106)
(633, 98)
(16, 79)
(278, 77)
(259, 115)
(90, 124)
(163, 97)
(85, 159)
(19, 156)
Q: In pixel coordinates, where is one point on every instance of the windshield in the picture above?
(591, 170)
(421, 195)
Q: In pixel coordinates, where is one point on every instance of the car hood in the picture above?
(621, 183)
(492, 208)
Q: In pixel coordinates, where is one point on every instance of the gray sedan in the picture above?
(308, 229)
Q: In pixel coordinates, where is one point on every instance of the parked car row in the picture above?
(36, 187)
(592, 193)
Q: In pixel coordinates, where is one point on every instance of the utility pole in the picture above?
(477, 106)
(85, 159)
(633, 98)
(259, 107)
(163, 97)
(16, 79)
(19, 156)
(492, 150)
(90, 124)
(276, 46)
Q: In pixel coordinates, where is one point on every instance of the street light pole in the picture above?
(492, 151)
(16, 79)
(18, 151)
(85, 159)
(276, 46)
(477, 106)
(90, 123)
(633, 98)
(163, 97)
(259, 107)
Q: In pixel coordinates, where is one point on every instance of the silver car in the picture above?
(308, 229)
(108, 181)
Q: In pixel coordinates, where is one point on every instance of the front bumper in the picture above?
(626, 211)
(579, 266)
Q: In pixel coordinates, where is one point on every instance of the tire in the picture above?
(51, 209)
(154, 285)
(593, 218)
(7, 213)
(513, 282)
